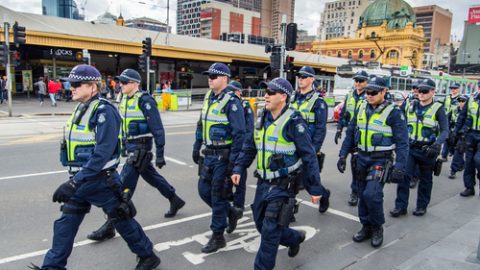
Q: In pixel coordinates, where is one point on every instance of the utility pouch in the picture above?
(387, 172)
(321, 160)
(123, 152)
(353, 163)
(126, 210)
(437, 168)
(63, 153)
(147, 159)
(201, 159)
(286, 212)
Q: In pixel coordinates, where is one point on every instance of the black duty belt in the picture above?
(140, 140)
(377, 154)
(419, 145)
(103, 174)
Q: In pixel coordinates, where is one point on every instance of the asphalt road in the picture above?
(30, 172)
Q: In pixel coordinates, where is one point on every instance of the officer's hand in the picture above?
(236, 179)
(338, 135)
(315, 199)
(160, 162)
(64, 192)
(433, 150)
(341, 164)
(195, 156)
(397, 176)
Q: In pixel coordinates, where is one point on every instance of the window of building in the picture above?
(372, 54)
(339, 53)
(351, 21)
(350, 54)
(393, 54)
(353, 14)
(360, 54)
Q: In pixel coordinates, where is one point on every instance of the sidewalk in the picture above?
(27, 107)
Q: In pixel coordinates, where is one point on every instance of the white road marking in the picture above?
(176, 161)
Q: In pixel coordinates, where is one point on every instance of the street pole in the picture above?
(6, 29)
(148, 74)
(282, 42)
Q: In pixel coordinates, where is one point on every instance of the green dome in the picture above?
(397, 13)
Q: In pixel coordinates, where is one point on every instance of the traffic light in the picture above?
(142, 62)
(276, 57)
(147, 46)
(16, 58)
(19, 36)
(289, 63)
(291, 41)
(3, 55)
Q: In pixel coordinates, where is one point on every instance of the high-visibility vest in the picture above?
(215, 121)
(134, 124)
(418, 128)
(375, 134)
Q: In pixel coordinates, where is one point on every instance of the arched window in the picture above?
(350, 54)
(372, 54)
(329, 53)
(393, 54)
(360, 54)
(373, 34)
(339, 53)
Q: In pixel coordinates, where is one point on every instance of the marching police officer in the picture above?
(353, 100)
(281, 144)
(377, 129)
(450, 104)
(92, 152)
(221, 130)
(457, 143)
(141, 124)
(314, 110)
(428, 130)
(238, 197)
(468, 120)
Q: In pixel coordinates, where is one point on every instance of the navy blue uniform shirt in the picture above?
(295, 131)
(396, 120)
(148, 105)
(235, 114)
(106, 124)
(320, 110)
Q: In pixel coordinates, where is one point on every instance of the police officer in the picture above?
(92, 152)
(450, 104)
(281, 144)
(377, 129)
(457, 143)
(428, 130)
(141, 124)
(405, 105)
(238, 197)
(468, 120)
(221, 130)
(353, 100)
(313, 109)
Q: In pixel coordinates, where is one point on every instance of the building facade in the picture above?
(340, 18)
(218, 20)
(188, 17)
(387, 34)
(437, 26)
(271, 14)
(61, 8)
(469, 51)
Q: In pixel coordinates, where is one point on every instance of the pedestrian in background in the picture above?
(53, 90)
(42, 89)
(3, 88)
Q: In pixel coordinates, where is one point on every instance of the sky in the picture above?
(307, 12)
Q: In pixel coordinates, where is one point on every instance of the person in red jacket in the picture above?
(53, 89)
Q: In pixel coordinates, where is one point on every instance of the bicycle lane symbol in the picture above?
(245, 236)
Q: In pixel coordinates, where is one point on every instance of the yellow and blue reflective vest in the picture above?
(473, 112)
(270, 142)
(306, 107)
(215, 131)
(426, 128)
(352, 104)
(80, 141)
(373, 133)
(134, 124)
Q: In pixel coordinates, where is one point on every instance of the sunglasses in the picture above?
(213, 76)
(461, 101)
(302, 77)
(359, 81)
(125, 82)
(424, 91)
(372, 92)
(76, 84)
(271, 92)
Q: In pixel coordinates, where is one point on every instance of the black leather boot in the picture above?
(363, 234)
(234, 214)
(377, 236)
(324, 202)
(105, 232)
(215, 243)
(293, 250)
(148, 263)
(176, 203)
(353, 201)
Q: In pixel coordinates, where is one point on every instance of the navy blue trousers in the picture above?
(472, 159)
(130, 176)
(211, 187)
(267, 198)
(100, 194)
